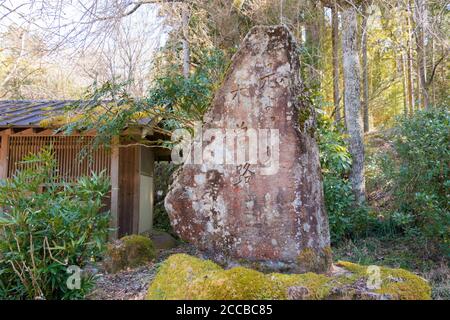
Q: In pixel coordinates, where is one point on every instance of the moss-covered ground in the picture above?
(186, 277)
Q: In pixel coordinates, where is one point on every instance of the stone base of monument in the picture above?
(309, 260)
(183, 277)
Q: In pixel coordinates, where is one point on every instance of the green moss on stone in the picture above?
(398, 283)
(185, 277)
(129, 252)
(303, 116)
(309, 259)
(139, 250)
(317, 284)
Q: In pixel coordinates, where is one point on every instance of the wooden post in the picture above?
(4, 153)
(136, 188)
(114, 188)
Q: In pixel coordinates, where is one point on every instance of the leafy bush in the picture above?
(421, 175)
(47, 227)
(188, 99)
(172, 101)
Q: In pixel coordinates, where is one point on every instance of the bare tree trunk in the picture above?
(185, 41)
(352, 101)
(433, 63)
(365, 70)
(411, 98)
(335, 44)
(313, 41)
(421, 53)
(418, 83)
(414, 27)
(405, 84)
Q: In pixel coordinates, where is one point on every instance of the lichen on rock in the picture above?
(129, 252)
(185, 277)
(315, 261)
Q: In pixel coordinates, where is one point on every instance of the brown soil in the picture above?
(133, 284)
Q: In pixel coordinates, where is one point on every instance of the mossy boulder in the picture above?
(129, 252)
(185, 277)
(163, 240)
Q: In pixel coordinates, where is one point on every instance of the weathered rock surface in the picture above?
(267, 213)
(183, 277)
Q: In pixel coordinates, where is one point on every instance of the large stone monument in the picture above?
(250, 192)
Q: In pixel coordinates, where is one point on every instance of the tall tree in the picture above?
(185, 40)
(420, 19)
(351, 66)
(433, 63)
(335, 45)
(411, 99)
(365, 67)
(314, 24)
(403, 60)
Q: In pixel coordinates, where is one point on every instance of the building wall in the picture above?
(146, 190)
(128, 190)
(130, 167)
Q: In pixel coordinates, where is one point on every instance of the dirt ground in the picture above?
(133, 284)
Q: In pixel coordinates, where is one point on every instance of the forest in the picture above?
(372, 98)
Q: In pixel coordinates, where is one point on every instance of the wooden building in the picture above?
(130, 168)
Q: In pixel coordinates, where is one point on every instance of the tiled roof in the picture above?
(29, 113)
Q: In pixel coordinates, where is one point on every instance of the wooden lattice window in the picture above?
(75, 155)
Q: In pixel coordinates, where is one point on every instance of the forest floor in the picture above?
(133, 284)
(389, 248)
(397, 253)
(402, 253)
(392, 252)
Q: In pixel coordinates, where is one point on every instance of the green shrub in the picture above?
(345, 218)
(421, 176)
(172, 101)
(46, 227)
(188, 98)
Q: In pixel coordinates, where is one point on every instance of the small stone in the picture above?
(297, 293)
(129, 252)
(367, 295)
